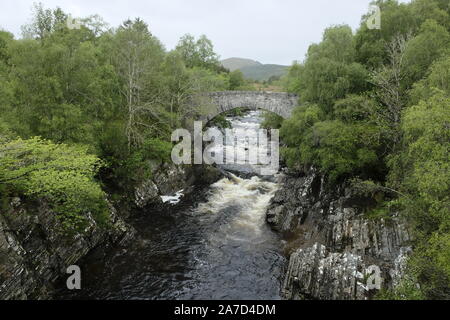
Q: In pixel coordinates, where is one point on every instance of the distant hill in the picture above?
(239, 63)
(264, 72)
(253, 69)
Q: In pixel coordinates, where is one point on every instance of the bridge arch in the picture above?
(281, 103)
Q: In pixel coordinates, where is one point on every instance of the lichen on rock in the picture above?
(332, 245)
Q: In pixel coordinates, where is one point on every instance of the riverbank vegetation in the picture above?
(103, 102)
(375, 107)
(85, 108)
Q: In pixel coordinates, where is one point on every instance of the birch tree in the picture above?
(390, 91)
(137, 56)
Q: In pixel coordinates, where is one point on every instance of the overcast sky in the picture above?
(265, 30)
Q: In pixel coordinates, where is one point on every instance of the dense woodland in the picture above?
(89, 109)
(375, 108)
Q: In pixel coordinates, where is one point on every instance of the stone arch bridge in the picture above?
(281, 103)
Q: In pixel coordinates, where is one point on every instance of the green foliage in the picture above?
(375, 105)
(236, 80)
(407, 289)
(272, 121)
(330, 71)
(198, 53)
(5, 39)
(92, 94)
(157, 149)
(438, 79)
(61, 92)
(423, 167)
(61, 174)
(291, 81)
(343, 149)
(430, 263)
(354, 108)
(118, 92)
(421, 171)
(380, 212)
(336, 147)
(430, 44)
(220, 121)
(397, 19)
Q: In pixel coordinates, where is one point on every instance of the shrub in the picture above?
(63, 175)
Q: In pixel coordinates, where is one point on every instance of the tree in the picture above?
(198, 53)
(291, 80)
(429, 45)
(390, 91)
(329, 71)
(236, 80)
(354, 108)
(5, 40)
(63, 175)
(6, 94)
(44, 22)
(397, 20)
(137, 57)
(422, 171)
(437, 80)
(337, 45)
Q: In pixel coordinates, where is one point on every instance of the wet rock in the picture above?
(166, 180)
(204, 175)
(169, 178)
(314, 272)
(34, 252)
(146, 193)
(332, 245)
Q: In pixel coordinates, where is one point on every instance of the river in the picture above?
(213, 244)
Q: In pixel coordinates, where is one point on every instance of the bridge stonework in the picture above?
(281, 103)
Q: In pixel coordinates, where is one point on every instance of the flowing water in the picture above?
(214, 244)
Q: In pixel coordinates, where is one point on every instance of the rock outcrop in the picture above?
(336, 252)
(166, 180)
(169, 178)
(34, 252)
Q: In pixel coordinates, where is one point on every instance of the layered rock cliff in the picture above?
(35, 251)
(335, 250)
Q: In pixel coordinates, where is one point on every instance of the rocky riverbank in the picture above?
(170, 178)
(334, 247)
(35, 253)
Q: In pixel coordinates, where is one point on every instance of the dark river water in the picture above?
(213, 244)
